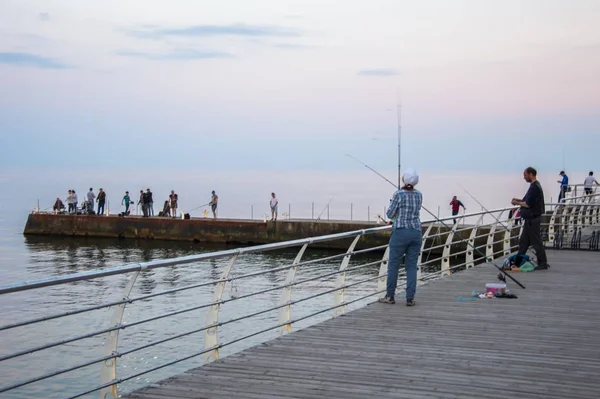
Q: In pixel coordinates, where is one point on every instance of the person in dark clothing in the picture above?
(456, 204)
(564, 185)
(58, 205)
(149, 202)
(101, 199)
(532, 209)
(142, 202)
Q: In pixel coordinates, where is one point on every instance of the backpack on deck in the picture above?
(523, 262)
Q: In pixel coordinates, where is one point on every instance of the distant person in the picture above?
(58, 206)
(406, 237)
(142, 203)
(126, 200)
(69, 201)
(589, 182)
(173, 198)
(532, 209)
(214, 203)
(564, 186)
(149, 202)
(90, 199)
(456, 204)
(101, 199)
(274, 203)
(75, 200)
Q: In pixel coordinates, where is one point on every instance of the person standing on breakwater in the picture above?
(406, 237)
(214, 203)
(532, 209)
(149, 202)
(90, 199)
(564, 185)
(456, 204)
(274, 205)
(588, 183)
(173, 198)
(142, 203)
(126, 200)
(101, 201)
(69, 201)
(75, 201)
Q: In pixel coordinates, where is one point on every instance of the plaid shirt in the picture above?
(405, 209)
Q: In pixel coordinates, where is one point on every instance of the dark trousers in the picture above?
(454, 213)
(532, 237)
(561, 194)
(100, 207)
(145, 210)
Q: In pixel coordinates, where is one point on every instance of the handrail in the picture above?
(495, 239)
(91, 274)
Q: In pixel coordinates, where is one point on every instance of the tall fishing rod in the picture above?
(324, 209)
(446, 226)
(198, 207)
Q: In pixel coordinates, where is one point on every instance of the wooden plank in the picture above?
(544, 344)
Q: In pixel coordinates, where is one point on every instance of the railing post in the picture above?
(368, 213)
(423, 241)
(313, 211)
(508, 234)
(445, 267)
(211, 338)
(327, 211)
(351, 211)
(289, 211)
(470, 256)
(285, 313)
(489, 253)
(382, 280)
(109, 366)
(551, 224)
(341, 278)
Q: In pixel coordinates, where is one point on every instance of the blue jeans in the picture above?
(404, 242)
(100, 207)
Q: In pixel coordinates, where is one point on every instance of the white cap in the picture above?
(411, 177)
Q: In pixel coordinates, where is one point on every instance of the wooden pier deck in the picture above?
(545, 344)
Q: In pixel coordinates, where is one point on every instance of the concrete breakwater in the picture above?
(235, 231)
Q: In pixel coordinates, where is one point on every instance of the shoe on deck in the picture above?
(387, 299)
(411, 302)
(542, 267)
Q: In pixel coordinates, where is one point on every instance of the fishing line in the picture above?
(324, 209)
(445, 225)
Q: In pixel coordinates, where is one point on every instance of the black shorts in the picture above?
(214, 207)
(588, 191)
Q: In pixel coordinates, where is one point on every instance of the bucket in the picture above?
(495, 287)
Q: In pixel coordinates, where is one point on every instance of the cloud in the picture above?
(378, 72)
(31, 60)
(176, 55)
(44, 16)
(292, 46)
(214, 30)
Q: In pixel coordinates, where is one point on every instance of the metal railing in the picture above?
(446, 248)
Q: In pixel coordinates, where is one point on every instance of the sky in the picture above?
(295, 85)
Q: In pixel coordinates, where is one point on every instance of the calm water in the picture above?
(24, 258)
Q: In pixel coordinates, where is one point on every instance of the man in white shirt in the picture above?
(589, 183)
(274, 203)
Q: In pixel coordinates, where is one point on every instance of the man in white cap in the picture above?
(406, 238)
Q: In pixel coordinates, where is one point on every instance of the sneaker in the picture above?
(410, 302)
(542, 267)
(387, 299)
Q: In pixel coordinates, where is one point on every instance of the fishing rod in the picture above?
(448, 227)
(483, 207)
(324, 209)
(198, 207)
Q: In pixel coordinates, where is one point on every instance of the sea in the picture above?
(360, 195)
